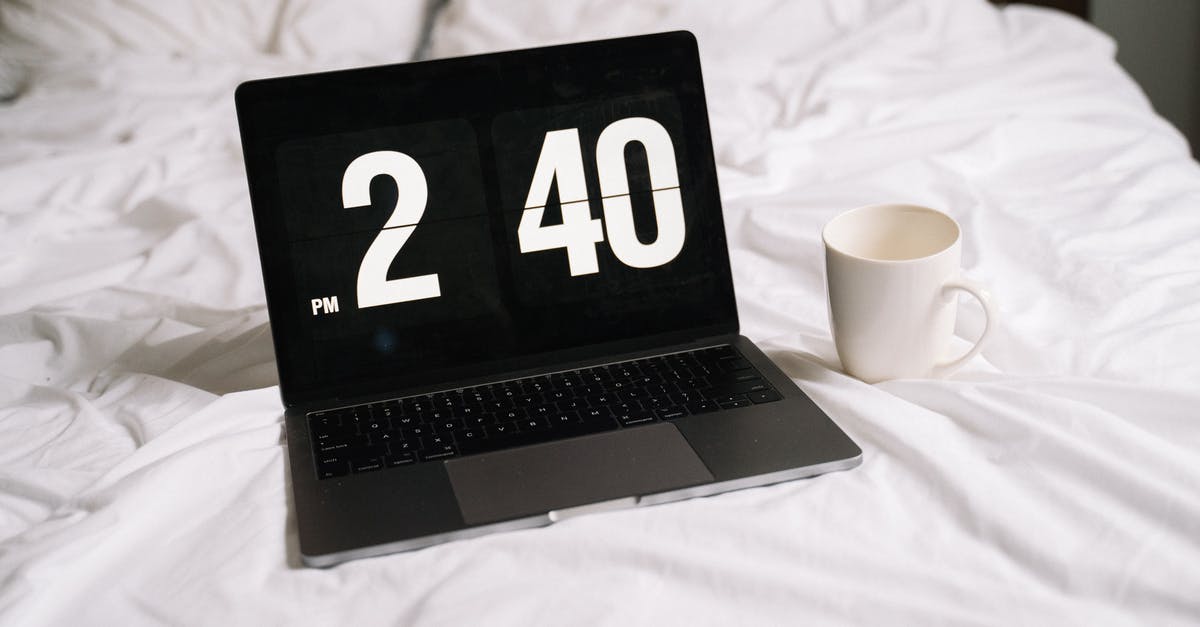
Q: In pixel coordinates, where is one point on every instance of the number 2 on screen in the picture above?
(374, 288)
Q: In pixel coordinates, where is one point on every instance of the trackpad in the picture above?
(555, 475)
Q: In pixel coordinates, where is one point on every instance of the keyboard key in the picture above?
(405, 421)
(446, 426)
(742, 402)
(332, 466)
(400, 459)
(333, 444)
(601, 400)
(560, 418)
(366, 464)
(514, 414)
(635, 418)
(657, 402)
(441, 452)
(670, 413)
(468, 434)
(402, 447)
(468, 411)
(383, 437)
(479, 420)
(502, 429)
(729, 398)
(436, 441)
(765, 396)
(732, 389)
(736, 363)
(415, 432)
(596, 412)
(533, 424)
(702, 407)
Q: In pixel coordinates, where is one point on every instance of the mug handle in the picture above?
(989, 316)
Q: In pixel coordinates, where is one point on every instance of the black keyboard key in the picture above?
(632, 394)
(400, 459)
(402, 447)
(736, 363)
(729, 398)
(384, 437)
(415, 432)
(533, 424)
(596, 412)
(634, 418)
(657, 402)
(670, 413)
(479, 420)
(502, 429)
(468, 411)
(571, 405)
(330, 445)
(765, 396)
(596, 424)
(702, 407)
(366, 464)
(510, 415)
(446, 426)
(436, 441)
(561, 418)
(601, 400)
(627, 408)
(468, 433)
(403, 422)
(440, 452)
(332, 466)
(743, 387)
(741, 402)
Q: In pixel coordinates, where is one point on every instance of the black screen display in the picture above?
(465, 215)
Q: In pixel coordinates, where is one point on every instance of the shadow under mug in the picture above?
(892, 275)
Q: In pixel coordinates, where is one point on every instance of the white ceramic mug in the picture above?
(892, 273)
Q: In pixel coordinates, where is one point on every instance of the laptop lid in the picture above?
(467, 217)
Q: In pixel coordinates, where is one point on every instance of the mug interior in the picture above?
(891, 232)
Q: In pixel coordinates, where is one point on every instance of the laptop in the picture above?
(500, 296)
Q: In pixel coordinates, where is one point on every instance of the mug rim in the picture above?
(896, 205)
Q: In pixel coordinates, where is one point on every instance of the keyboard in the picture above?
(485, 418)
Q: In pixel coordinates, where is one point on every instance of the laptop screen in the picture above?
(460, 217)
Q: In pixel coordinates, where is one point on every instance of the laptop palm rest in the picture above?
(570, 473)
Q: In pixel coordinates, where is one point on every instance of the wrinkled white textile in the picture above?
(1055, 480)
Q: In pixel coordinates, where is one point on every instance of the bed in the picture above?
(1055, 480)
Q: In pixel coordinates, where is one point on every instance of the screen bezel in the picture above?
(271, 111)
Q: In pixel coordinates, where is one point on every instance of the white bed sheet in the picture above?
(1055, 480)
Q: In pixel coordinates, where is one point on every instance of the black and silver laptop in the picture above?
(500, 296)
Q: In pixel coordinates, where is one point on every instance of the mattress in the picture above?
(1053, 480)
